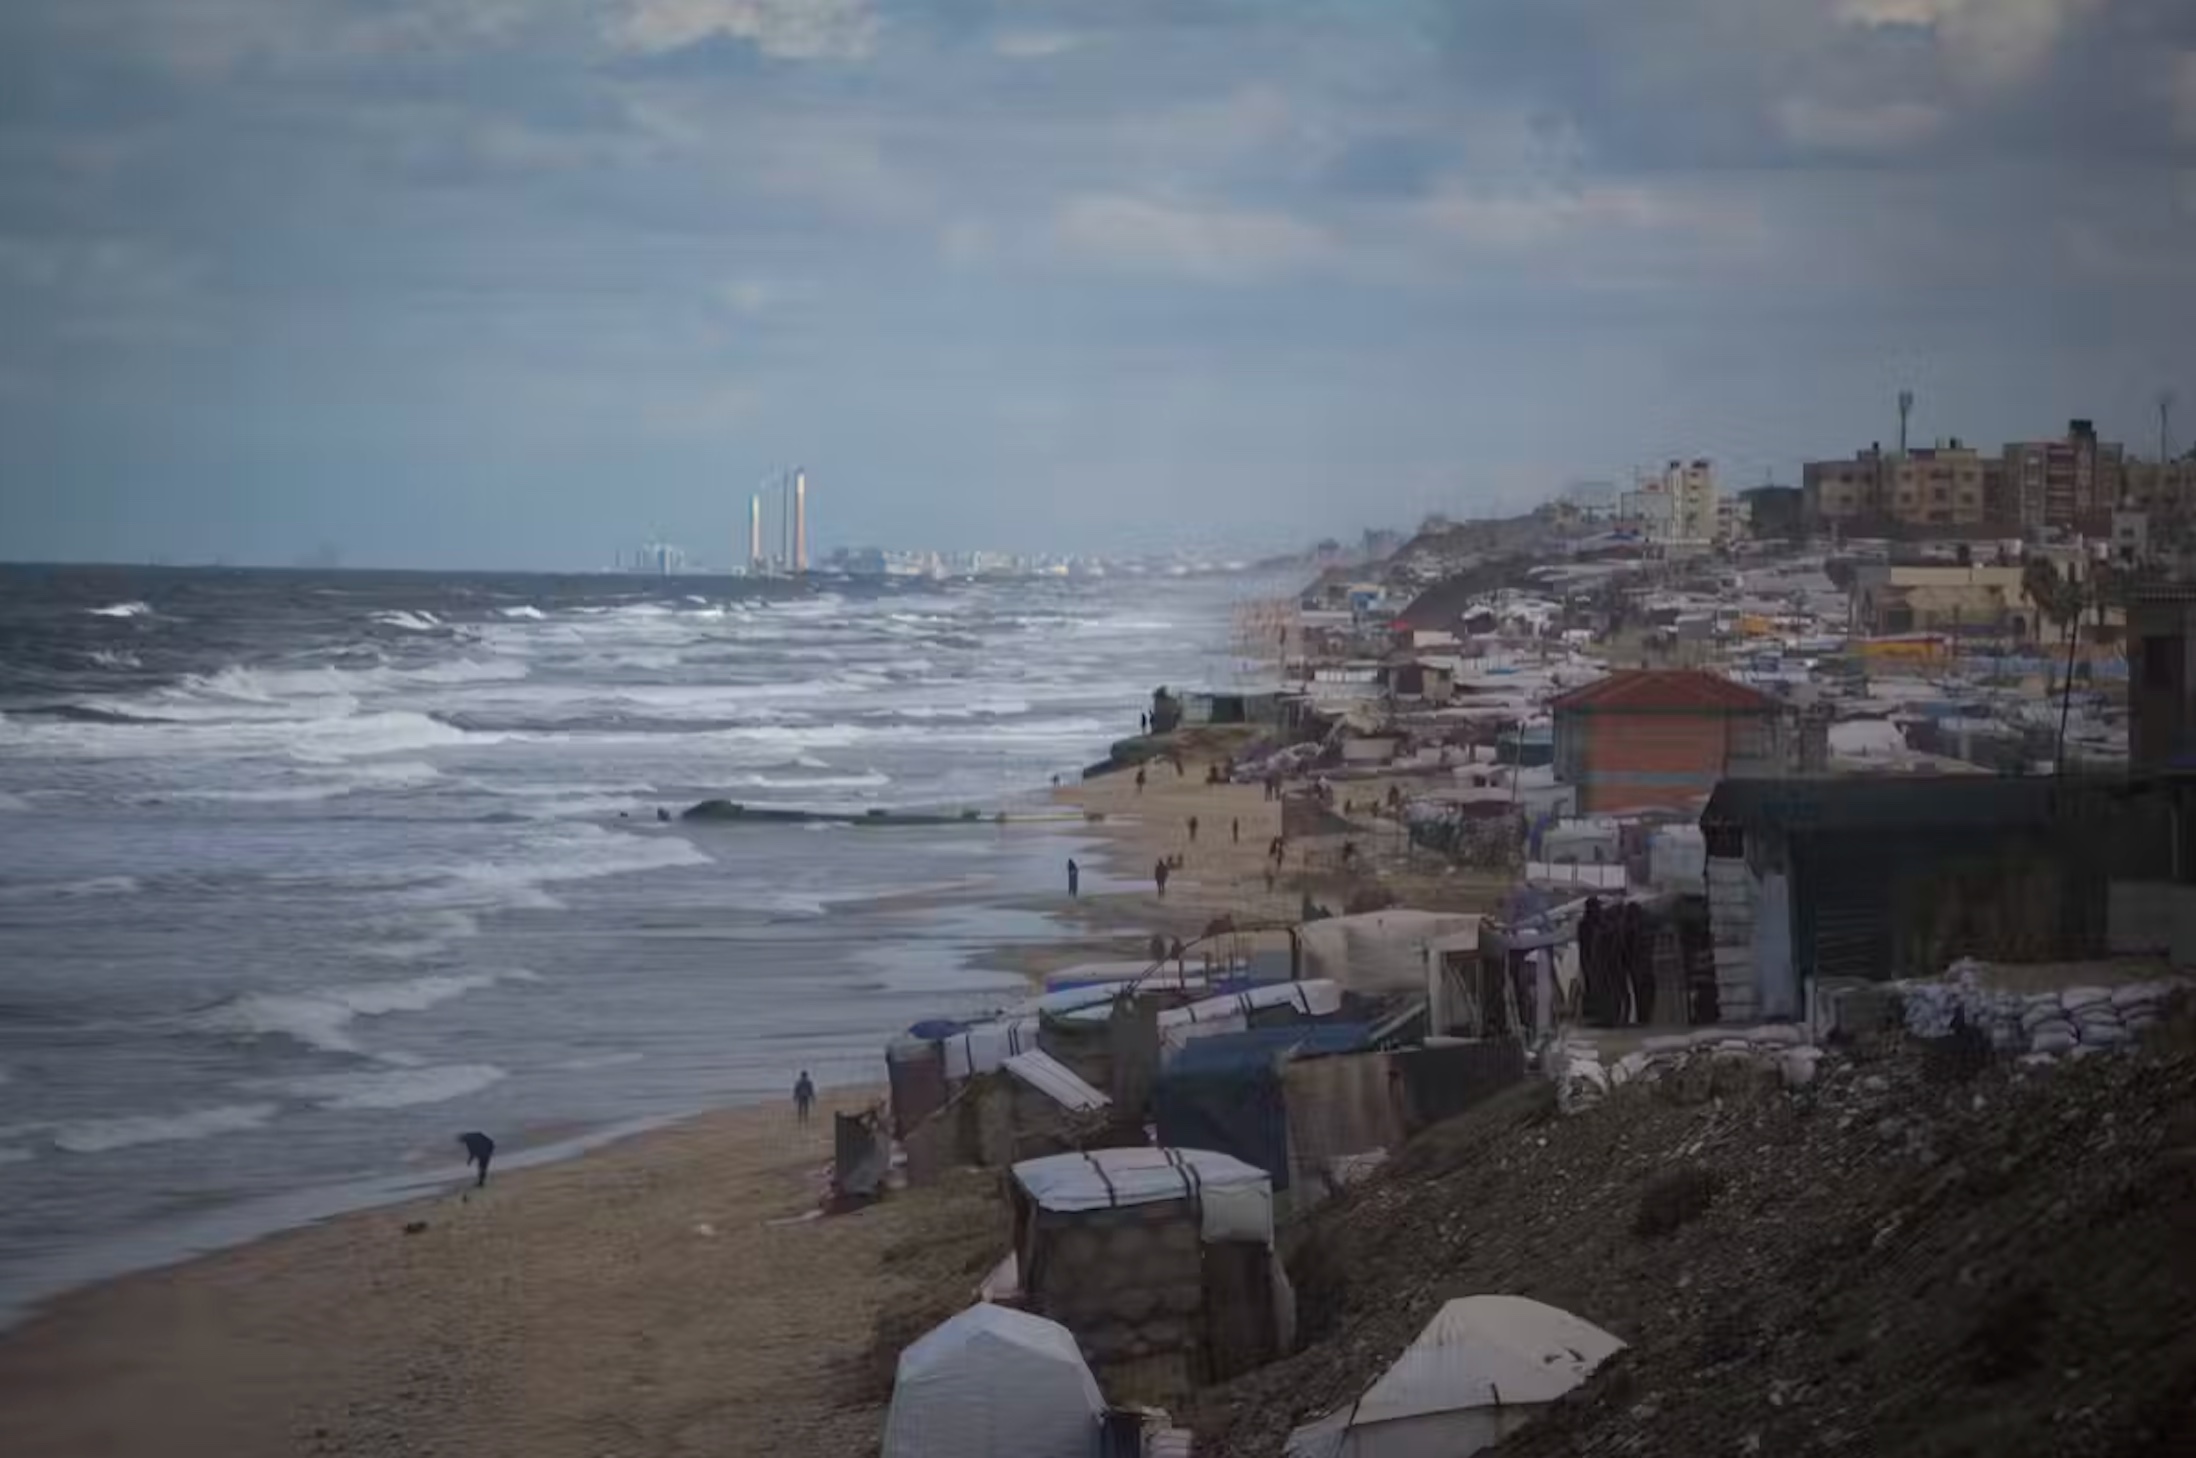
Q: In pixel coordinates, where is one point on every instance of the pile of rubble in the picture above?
(1901, 1254)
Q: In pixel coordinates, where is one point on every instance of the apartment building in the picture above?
(1942, 485)
(2071, 484)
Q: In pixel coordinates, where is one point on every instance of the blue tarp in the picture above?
(932, 1029)
(1224, 1093)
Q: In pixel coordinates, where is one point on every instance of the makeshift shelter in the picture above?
(1484, 1367)
(1033, 1101)
(993, 1382)
(1225, 1093)
(1159, 1260)
(915, 1068)
(1262, 1006)
(1379, 951)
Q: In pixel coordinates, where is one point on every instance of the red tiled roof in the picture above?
(1663, 690)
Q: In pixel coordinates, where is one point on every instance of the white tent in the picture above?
(1378, 951)
(993, 1382)
(1482, 1368)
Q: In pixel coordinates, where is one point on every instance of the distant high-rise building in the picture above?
(755, 533)
(1942, 485)
(800, 521)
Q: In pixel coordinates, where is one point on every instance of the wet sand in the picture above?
(637, 1300)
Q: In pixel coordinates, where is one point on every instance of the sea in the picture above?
(304, 873)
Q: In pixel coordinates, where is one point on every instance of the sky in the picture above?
(525, 283)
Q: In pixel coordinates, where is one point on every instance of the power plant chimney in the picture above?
(800, 521)
(755, 533)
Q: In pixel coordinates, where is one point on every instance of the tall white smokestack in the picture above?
(800, 521)
(755, 532)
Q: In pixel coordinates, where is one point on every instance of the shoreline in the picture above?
(248, 1292)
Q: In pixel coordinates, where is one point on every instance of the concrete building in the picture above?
(1890, 599)
(1649, 738)
(1775, 512)
(1930, 486)
(2161, 697)
(2164, 489)
(2071, 484)
(1691, 486)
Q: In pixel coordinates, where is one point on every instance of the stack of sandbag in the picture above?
(1931, 1006)
(1583, 1079)
(2077, 1021)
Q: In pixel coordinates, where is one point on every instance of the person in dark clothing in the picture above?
(1139, 779)
(1592, 960)
(1143, 723)
(804, 1096)
(1075, 878)
(1235, 831)
(1193, 829)
(1157, 948)
(1159, 874)
(479, 1149)
(1179, 954)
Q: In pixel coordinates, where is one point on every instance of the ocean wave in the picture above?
(410, 622)
(72, 890)
(870, 780)
(527, 611)
(321, 1017)
(97, 1136)
(577, 852)
(121, 610)
(394, 1088)
(113, 658)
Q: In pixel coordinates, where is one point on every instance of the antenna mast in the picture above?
(1906, 409)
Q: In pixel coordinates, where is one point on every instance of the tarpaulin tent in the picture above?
(1379, 951)
(993, 1382)
(1226, 1093)
(1482, 1368)
(1179, 1026)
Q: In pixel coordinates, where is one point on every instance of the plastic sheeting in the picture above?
(986, 1047)
(993, 1382)
(1480, 1369)
(1380, 951)
(1058, 1082)
(1235, 1199)
(1232, 1014)
(1234, 1106)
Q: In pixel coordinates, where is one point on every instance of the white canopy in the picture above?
(993, 1382)
(986, 1047)
(1062, 1084)
(1380, 951)
(1481, 1368)
(1231, 1014)
(1235, 1199)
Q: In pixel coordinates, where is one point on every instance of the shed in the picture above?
(993, 1382)
(1483, 1368)
(1159, 1260)
(1884, 878)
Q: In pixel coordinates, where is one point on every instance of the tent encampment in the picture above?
(1239, 1011)
(1482, 1368)
(993, 1382)
(1378, 951)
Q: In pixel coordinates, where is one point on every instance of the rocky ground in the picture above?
(1914, 1255)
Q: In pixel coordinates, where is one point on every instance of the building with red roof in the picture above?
(1647, 738)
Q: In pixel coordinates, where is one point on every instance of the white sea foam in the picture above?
(573, 852)
(526, 611)
(114, 658)
(411, 622)
(120, 610)
(322, 1017)
(873, 780)
(72, 890)
(393, 1088)
(97, 1136)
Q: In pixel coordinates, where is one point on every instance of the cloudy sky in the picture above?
(523, 282)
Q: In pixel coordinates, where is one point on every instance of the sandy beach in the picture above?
(662, 1295)
(644, 1299)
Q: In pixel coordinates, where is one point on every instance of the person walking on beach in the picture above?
(1235, 832)
(804, 1097)
(1139, 779)
(1157, 948)
(1193, 830)
(1179, 955)
(1143, 723)
(1075, 878)
(479, 1149)
(1159, 875)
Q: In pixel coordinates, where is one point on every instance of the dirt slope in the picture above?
(1907, 1259)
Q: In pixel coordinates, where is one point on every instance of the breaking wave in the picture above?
(97, 1136)
(410, 622)
(394, 1088)
(121, 610)
(322, 1017)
